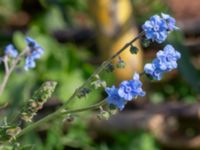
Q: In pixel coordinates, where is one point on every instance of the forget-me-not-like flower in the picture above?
(11, 51)
(158, 27)
(131, 88)
(168, 57)
(151, 70)
(165, 61)
(127, 91)
(114, 98)
(35, 52)
(170, 21)
(29, 63)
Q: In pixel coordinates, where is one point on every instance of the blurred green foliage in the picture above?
(137, 140)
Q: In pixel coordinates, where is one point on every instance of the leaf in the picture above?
(19, 40)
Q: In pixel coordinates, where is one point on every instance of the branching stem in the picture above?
(62, 110)
(8, 71)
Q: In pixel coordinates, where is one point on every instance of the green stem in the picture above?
(95, 106)
(10, 70)
(103, 66)
(57, 114)
(60, 110)
(36, 124)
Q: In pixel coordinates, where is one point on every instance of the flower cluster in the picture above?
(35, 52)
(11, 51)
(127, 91)
(158, 27)
(166, 61)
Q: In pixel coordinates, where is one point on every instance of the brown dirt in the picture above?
(187, 12)
(185, 9)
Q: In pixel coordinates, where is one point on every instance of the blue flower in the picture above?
(171, 22)
(131, 89)
(35, 49)
(166, 61)
(29, 63)
(35, 52)
(11, 51)
(153, 71)
(157, 28)
(114, 98)
(126, 92)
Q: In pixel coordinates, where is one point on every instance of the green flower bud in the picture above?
(145, 42)
(133, 49)
(103, 115)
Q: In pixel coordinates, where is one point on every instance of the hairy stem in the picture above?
(62, 110)
(9, 71)
(5, 61)
(103, 66)
(57, 114)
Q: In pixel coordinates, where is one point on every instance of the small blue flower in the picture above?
(35, 49)
(131, 89)
(29, 63)
(32, 43)
(11, 51)
(171, 22)
(114, 98)
(35, 52)
(166, 61)
(126, 92)
(157, 28)
(152, 70)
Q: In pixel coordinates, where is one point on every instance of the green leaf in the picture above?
(19, 40)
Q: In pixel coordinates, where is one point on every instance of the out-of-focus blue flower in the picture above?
(29, 63)
(11, 51)
(32, 43)
(157, 28)
(35, 49)
(131, 89)
(114, 98)
(166, 61)
(171, 22)
(35, 52)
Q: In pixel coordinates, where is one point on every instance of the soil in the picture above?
(187, 13)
